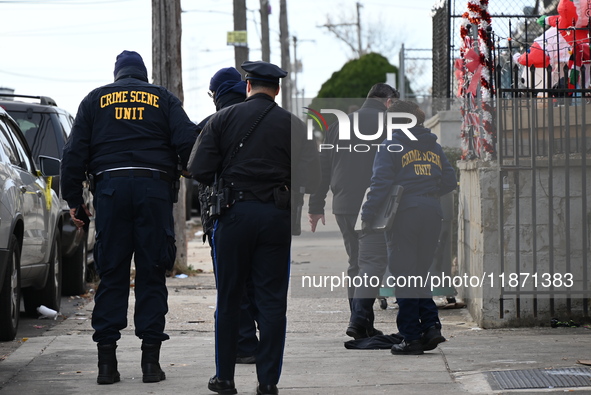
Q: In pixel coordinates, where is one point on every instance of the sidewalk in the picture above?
(63, 361)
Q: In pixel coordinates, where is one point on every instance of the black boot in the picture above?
(413, 347)
(150, 365)
(107, 364)
(431, 338)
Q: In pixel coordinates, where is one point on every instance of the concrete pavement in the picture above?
(63, 360)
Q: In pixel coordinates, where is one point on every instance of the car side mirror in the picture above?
(49, 166)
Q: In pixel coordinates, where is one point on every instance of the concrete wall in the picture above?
(446, 125)
(532, 243)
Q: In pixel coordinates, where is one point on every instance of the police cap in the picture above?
(263, 71)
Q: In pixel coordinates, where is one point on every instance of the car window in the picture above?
(7, 145)
(66, 123)
(39, 133)
(24, 159)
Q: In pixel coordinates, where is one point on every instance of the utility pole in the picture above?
(346, 36)
(359, 46)
(167, 72)
(295, 74)
(240, 52)
(285, 62)
(266, 48)
(297, 67)
(401, 74)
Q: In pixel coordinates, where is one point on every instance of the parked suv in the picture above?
(30, 239)
(46, 128)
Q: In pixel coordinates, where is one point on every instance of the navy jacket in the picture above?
(420, 167)
(347, 173)
(129, 123)
(223, 101)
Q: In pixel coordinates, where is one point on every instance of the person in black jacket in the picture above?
(348, 174)
(261, 153)
(226, 88)
(130, 136)
(422, 168)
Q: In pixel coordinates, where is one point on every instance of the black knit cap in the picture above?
(227, 74)
(263, 71)
(130, 63)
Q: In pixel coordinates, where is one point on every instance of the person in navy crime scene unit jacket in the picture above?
(422, 168)
(130, 135)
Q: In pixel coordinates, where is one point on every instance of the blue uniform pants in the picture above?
(411, 247)
(133, 218)
(247, 332)
(252, 244)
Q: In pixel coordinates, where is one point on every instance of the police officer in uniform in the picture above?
(421, 167)
(227, 88)
(252, 147)
(130, 137)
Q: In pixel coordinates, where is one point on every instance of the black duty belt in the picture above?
(431, 195)
(241, 196)
(135, 173)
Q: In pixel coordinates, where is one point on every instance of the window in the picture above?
(66, 121)
(38, 129)
(21, 148)
(6, 144)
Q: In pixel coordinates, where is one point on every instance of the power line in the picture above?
(208, 11)
(67, 29)
(209, 65)
(62, 2)
(393, 4)
(49, 78)
(69, 33)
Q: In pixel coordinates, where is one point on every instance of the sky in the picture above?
(66, 48)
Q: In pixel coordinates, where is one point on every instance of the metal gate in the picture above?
(544, 139)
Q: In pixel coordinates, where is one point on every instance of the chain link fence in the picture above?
(510, 18)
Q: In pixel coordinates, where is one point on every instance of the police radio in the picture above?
(218, 198)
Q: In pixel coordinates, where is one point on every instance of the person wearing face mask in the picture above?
(227, 88)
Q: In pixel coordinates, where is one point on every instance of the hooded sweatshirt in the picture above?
(420, 166)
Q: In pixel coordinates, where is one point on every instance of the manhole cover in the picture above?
(541, 378)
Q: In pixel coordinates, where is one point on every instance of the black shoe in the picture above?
(357, 332)
(248, 359)
(413, 347)
(151, 371)
(107, 364)
(221, 386)
(267, 389)
(431, 338)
